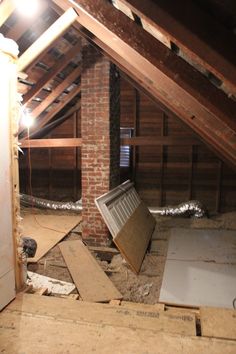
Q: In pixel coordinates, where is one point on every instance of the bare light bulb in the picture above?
(27, 120)
(28, 8)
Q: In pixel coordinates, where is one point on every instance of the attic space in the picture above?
(118, 176)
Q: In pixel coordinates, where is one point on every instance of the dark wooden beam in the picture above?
(51, 143)
(52, 73)
(191, 30)
(161, 72)
(159, 141)
(135, 141)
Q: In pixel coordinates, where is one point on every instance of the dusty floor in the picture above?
(144, 287)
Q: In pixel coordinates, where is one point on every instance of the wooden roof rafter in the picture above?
(190, 34)
(161, 72)
(52, 72)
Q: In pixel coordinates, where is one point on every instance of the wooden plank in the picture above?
(48, 37)
(92, 283)
(159, 141)
(106, 314)
(133, 239)
(51, 143)
(47, 230)
(52, 72)
(74, 336)
(143, 307)
(218, 323)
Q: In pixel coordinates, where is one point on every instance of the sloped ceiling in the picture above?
(177, 83)
(181, 53)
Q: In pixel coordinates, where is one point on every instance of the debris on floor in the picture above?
(52, 285)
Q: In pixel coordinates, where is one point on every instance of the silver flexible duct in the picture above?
(191, 208)
(27, 200)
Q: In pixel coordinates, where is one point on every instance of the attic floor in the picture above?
(144, 287)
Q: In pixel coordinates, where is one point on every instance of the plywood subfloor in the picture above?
(40, 324)
(47, 230)
(200, 268)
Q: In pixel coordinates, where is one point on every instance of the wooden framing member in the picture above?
(51, 143)
(159, 141)
(6, 9)
(53, 72)
(207, 110)
(135, 141)
(48, 37)
(191, 35)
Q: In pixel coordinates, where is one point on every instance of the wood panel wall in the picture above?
(180, 169)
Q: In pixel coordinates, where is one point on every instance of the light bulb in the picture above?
(27, 120)
(27, 8)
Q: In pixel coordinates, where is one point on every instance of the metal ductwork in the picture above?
(27, 200)
(191, 208)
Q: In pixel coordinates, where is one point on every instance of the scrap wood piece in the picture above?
(218, 322)
(47, 230)
(134, 237)
(56, 286)
(92, 283)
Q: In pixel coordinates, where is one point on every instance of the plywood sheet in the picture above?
(198, 283)
(133, 239)
(208, 245)
(220, 323)
(92, 283)
(106, 314)
(56, 326)
(47, 230)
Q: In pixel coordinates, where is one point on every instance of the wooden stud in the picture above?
(48, 37)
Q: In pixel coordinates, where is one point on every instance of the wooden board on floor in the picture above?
(106, 314)
(216, 322)
(133, 239)
(92, 283)
(47, 230)
(56, 325)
